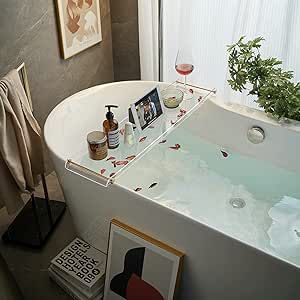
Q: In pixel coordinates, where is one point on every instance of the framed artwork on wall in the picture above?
(139, 266)
(79, 25)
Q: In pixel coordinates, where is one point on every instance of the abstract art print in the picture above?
(140, 267)
(79, 24)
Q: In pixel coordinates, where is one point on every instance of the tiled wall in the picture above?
(124, 15)
(28, 32)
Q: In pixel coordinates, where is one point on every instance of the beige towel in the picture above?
(21, 154)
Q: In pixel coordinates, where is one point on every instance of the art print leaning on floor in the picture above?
(140, 267)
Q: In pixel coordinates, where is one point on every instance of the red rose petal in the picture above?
(225, 154)
(176, 147)
(142, 139)
(122, 130)
(102, 171)
(163, 141)
(110, 158)
(153, 185)
(121, 162)
(131, 157)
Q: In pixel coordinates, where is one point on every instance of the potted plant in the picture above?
(276, 93)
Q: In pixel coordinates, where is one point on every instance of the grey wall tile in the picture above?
(124, 14)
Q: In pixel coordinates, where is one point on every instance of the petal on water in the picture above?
(153, 185)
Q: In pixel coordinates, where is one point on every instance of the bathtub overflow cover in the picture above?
(256, 135)
(237, 202)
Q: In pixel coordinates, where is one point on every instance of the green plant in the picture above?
(276, 93)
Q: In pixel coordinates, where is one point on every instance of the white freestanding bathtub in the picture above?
(244, 249)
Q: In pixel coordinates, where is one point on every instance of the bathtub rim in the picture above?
(247, 112)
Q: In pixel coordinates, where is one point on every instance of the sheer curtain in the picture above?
(148, 11)
(207, 26)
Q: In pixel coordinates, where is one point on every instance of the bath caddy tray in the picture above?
(104, 172)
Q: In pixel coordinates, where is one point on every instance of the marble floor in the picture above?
(28, 266)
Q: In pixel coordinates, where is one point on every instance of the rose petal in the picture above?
(131, 157)
(121, 162)
(153, 185)
(142, 139)
(176, 147)
(110, 158)
(112, 174)
(163, 141)
(137, 189)
(225, 154)
(102, 171)
(122, 130)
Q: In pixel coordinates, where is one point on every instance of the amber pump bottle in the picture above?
(111, 128)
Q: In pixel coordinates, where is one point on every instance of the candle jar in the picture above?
(97, 144)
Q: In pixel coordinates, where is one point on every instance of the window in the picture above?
(207, 26)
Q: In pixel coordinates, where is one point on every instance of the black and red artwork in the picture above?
(129, 284)
(140, 267)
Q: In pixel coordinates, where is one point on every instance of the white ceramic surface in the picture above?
(216, 266)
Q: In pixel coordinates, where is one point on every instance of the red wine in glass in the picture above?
(184, 69)
(184, 66)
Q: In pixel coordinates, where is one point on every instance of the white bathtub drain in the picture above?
(237, 202)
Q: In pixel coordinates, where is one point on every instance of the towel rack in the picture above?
(38, 218)
(23, 75)
(21, 66)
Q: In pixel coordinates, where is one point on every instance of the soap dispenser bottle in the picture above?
(111, 128)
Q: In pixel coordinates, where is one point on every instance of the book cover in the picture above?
(83, 263)
(70, 290)
(74, 284)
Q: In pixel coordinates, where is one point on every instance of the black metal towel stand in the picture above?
(38, 218)
(36, 221)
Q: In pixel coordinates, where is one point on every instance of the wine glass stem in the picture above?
(185, 84)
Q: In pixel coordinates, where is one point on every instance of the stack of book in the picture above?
(80, 270)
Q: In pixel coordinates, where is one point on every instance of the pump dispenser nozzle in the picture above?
(109, 114)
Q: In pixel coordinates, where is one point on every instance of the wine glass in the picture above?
(184, 65)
